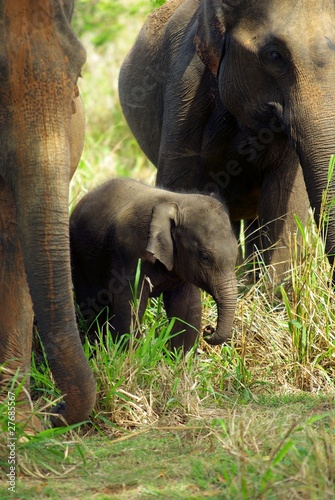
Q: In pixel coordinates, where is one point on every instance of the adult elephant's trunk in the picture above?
(315, 167)
(315, 139)
(37, 102)
(224, 293)
(43, 227)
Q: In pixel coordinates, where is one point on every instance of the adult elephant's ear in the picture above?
(160, 242)
(210, 32)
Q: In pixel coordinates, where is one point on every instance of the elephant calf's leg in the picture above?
(16, 312)
(184, 303)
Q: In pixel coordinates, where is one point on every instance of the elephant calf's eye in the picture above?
(205, 258)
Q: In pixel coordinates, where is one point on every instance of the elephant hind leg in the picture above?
(16, 310)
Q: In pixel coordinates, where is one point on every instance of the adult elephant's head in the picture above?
(275, 65)
(40, 62)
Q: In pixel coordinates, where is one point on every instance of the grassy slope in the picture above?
(250, 420)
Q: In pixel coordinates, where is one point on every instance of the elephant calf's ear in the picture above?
(160, 242)
(209, 36)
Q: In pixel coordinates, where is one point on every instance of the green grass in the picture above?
(269, 449)
(251, 420)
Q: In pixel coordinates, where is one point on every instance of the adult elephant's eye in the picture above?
(274, 56)
(271, 55)
(274, 60)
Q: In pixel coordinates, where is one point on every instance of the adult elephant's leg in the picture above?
(249, 241)
(184, 303)
(283, 196)
(16, 311)
(252, 240)
(252, 249)
(236, 226)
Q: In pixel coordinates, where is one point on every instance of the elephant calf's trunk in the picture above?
(226, 312)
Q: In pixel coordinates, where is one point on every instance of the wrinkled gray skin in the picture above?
(185, 241)
(238, 96)
(41, 138)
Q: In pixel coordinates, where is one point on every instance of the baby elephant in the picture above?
(184, 241)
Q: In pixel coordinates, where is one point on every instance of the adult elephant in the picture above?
(41, 134)
(237, 96)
